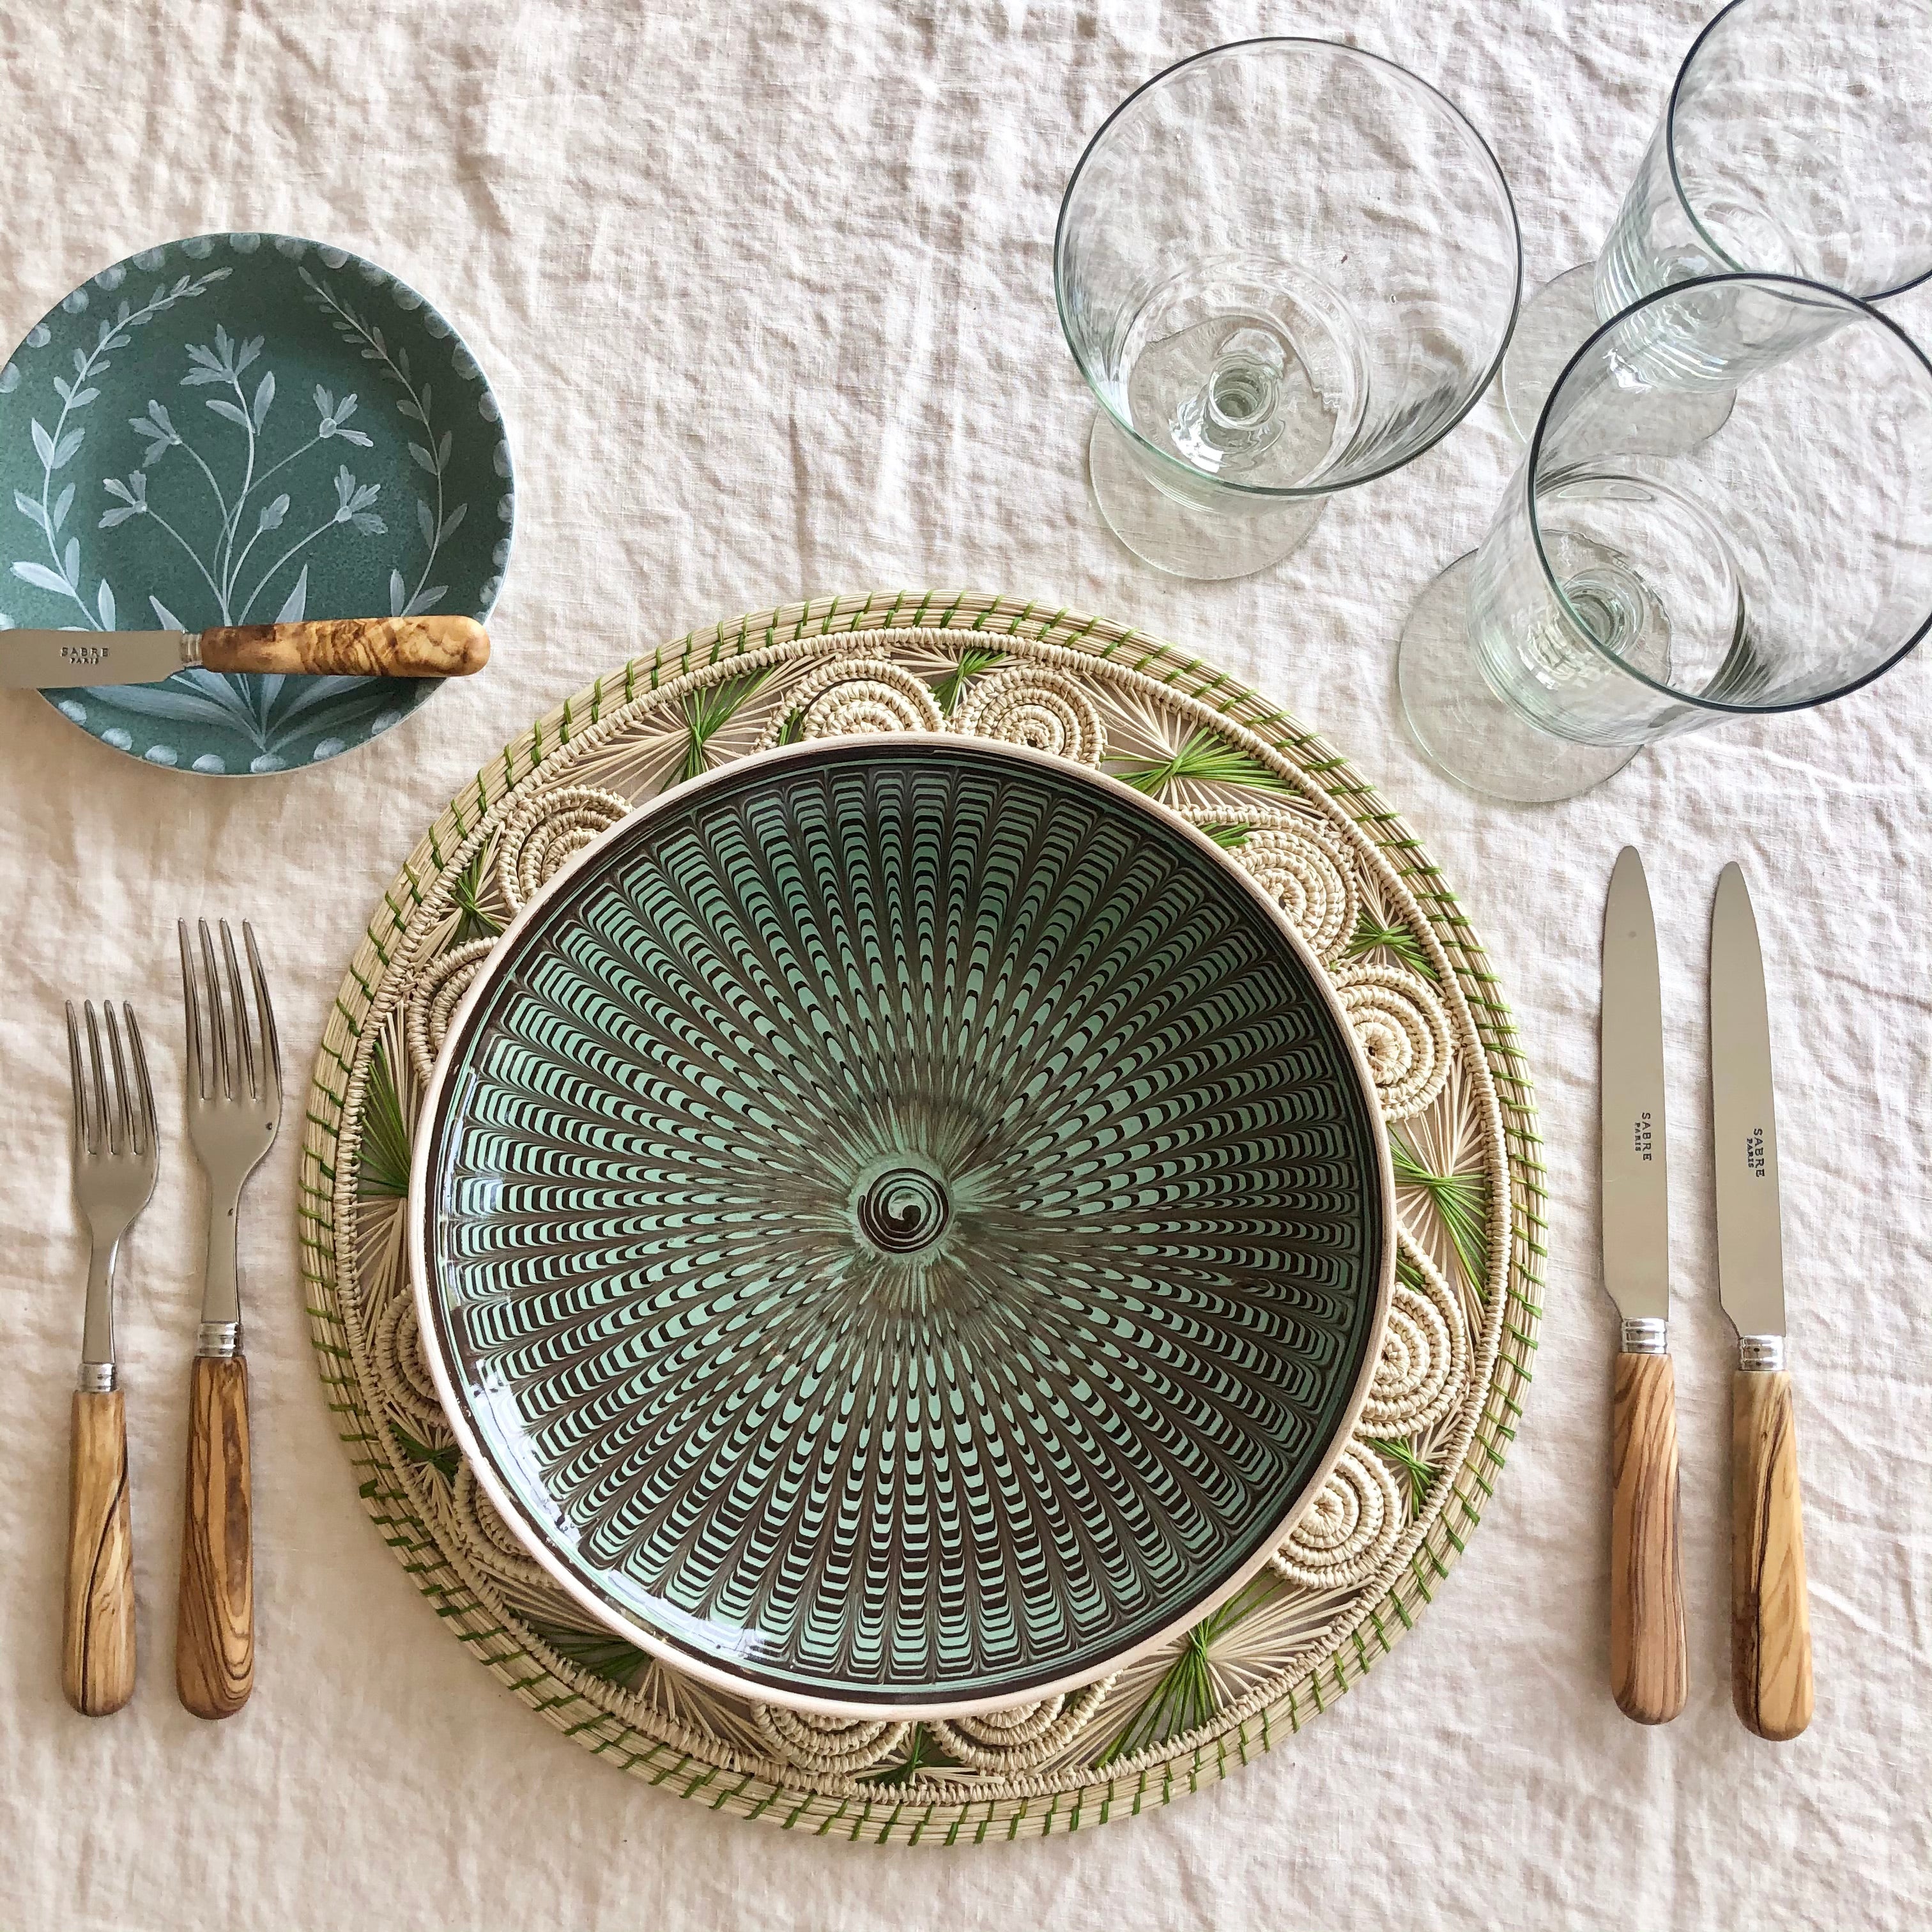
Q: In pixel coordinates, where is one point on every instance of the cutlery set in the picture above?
(1771, 1644)
(234, 1101)
(233, 1105)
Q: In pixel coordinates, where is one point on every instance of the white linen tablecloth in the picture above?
(766, 295)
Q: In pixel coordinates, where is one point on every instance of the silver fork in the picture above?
(115, 1157)
(234, 1089)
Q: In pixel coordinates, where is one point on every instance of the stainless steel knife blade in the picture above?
(1750, 1242)
(51, 660)
(1636, 1190)
(1649, 1661)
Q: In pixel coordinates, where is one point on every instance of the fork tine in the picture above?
(238, 1008)
(105, 1144)
(271, 1046)
(150, 1134)
(124, 1112)
(218, 1085)
(83, 1140)
(197, 1059)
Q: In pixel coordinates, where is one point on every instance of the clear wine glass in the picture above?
(1798, 140)
(1284, 267)
(1624, 593)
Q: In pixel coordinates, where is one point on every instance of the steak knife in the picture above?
(1771, 1617)
(336, 647)
(1649, 1667)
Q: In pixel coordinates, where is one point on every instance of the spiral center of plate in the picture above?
(902, 1207)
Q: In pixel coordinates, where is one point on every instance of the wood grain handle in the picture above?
(97, 1649)
(1770, 1612)
(214, 1638)
(1649, 1664)
(352, 647)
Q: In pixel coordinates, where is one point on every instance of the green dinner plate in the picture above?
(903, 1225)
(245, 429)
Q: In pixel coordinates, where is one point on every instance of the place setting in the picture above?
(923, 1217)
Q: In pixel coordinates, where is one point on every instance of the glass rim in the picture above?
(1690, 213)
(1298, 493)
(1528, 471)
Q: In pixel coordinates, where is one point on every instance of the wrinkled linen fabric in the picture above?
(766, 295)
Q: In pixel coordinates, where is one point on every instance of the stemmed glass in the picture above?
(1798, 140)
(1284, 267)
(1623, 593)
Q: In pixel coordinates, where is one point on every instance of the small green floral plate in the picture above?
(246, 429)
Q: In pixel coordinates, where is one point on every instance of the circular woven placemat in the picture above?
(1412, 1484)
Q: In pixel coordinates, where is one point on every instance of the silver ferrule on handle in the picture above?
(218, 1341)
(97, 1342)
(1761, 1354)
(1646, 1335)
(191, 650)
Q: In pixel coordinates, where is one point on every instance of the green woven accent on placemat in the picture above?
(926, 1788)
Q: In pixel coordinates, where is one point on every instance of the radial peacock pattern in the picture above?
(906, 1227)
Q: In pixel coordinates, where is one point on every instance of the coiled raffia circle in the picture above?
(1037, 706)
(1022, 1735)
(407, 1382)
(1424, 1364)
(434, 995)
(544, 831)
(814, 1743)
(1303, 866)
(851, 697)
(1353, 1523)
(488, 1536)
(1404, 1033)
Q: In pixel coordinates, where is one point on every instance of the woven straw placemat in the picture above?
(1411, 1485)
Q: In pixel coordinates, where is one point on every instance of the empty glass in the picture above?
(1798, 140)
(1284, 267)
(1624, 594)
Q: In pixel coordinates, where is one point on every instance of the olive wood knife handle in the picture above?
(351, 647)
(214, 1637)
(1771, 1615)
(97, 1646)
(1649, 1666)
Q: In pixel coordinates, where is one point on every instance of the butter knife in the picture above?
(335, 647)
(1771, 1617)
(1649, 1668)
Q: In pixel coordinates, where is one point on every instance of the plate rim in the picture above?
(271, 238)
(835, 750)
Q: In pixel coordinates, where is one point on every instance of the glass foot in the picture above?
(1464, 729)
(1179, 537)
(1555, 323)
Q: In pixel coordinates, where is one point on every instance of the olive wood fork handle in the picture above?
(97, 1649)
(215, 1638)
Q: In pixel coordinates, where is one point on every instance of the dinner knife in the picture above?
(1649, 1667)
(1771, 1617)
(332, 647)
